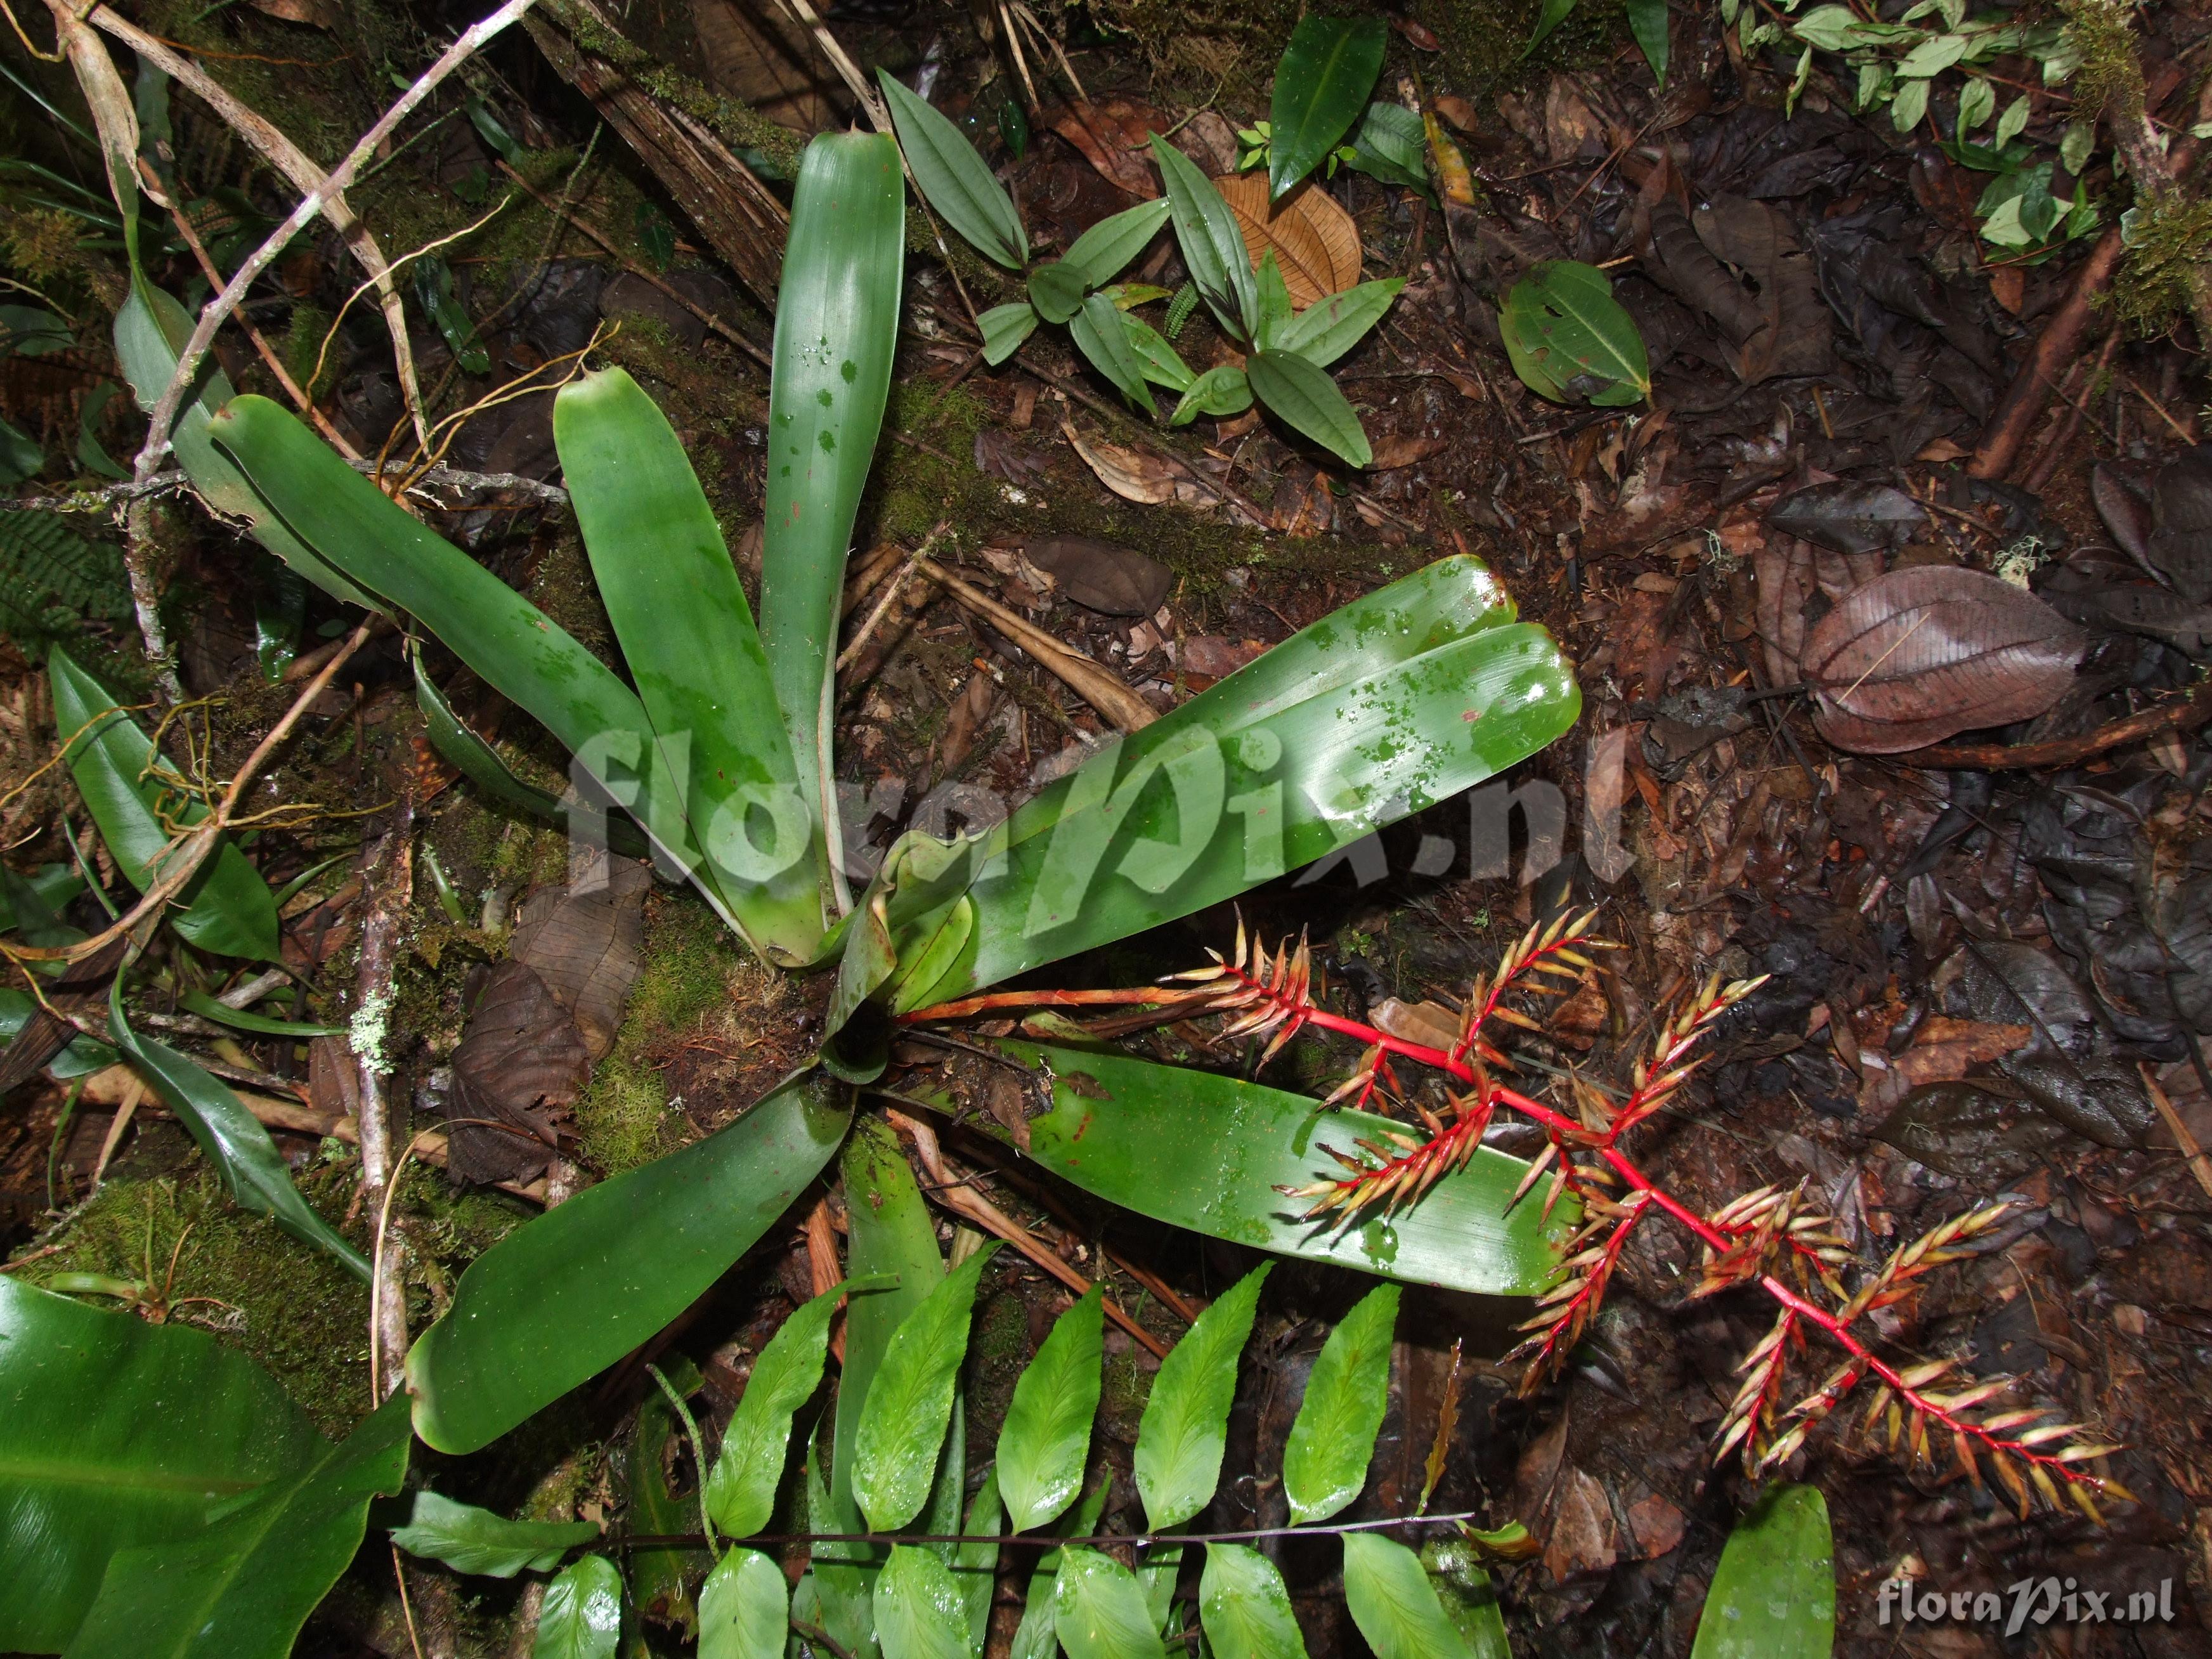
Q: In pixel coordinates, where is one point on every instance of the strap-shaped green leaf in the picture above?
(1325, 1459)
(672, 594)
(1046, 1439)
(910, 1401)
(1098, 329)
(481, 1541)
(1394, 1603)
(1098, 1609)
(1274, 297)
(1224, 390)
(1568, 339)
(1244, 1607)
(1774, 1593)
(581, 1615)
(1320, 87)
(920, 1612)
(1212, 246)
(1161, 363)
(974, 1564)
(1185, 1427)
(1101, 252)
(1309, 402)
(954, 180)
(1005, 327)
(1329, 327)
(745, 1608)
(252, 1171)
(200, 1003)
(1056, 290)
(226, 907)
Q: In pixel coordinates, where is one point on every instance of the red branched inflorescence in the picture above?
(1775, 1239)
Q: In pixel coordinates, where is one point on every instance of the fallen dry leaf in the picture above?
(1112, 137)
(1942, 1049)
(587, 946)
(1314, 240)
(1399, 449)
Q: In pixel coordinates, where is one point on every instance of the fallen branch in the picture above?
(2181, 715)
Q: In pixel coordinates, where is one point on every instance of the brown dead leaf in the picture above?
(519, 1068)
(1456, 110)
(586, 947)
(1431, 1023)
(315, 13)
(1399, 449)
(1942, 1052)
(1655, 1524)
(1584, 1538)
(970, 710)
(1112, 137)
(1146, 476)
(762, 55)
(1115, 581)
(1314, 239)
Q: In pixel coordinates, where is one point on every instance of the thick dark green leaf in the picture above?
(660, 1576)
(1465, 1591)
(1244, 1608)
(1555, 13)
(741, 1490)
(200, 1003)
(568, 1294)
(1224, 390)
(115, 1433)
(1056, 290)
(837, 330)
(1212, 246)
(474, 1541)
(1394, 1603)
(1208, 1153)
(1325, 1461)
(910, 1401)
(1569, 340)
(672, 594)
(1274, 298)
(1774, 1594)
(1101, 252)
(1185, 1426)
(745, 1608)
(1098, 1609)
(954, 180)
(433, 292)
(1647, 22)
(1046, 1440)
(1390, 146)
(246, 1161)
(581, 1615)
(226, 907)
(919, 1611)
(1159, 360)
(976, 1567)
(1004, 328)
(242, 1588)
(1306, 400)
(1329, 327)
(1097, 330)
(1321, 88)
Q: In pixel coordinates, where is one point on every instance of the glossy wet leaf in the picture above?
(1308, 402)
(745, 1608)
(226, 907)
(1099, 333)
(975, 1566)
(1393, 1603)
(741, 1490)
(954, 180)
(1102, 251)
(1569, 340)
(1244, 1608)
(1773, 1595)
(1005, 327)
(1056, 290)
(1328, 328)
(115, 1433)
(919, 1611)
(246, 1160)
(1046, 1438)
(1223, 390)
(910, 1400)
(1098, 1609)
(1034, 1637)
(1464, 1588)
(565, 1295)
(581, 1615)
(1322, 85)
(242, 1587)
(1325, 1459)
(1185, 1427)
(481, 1541)
(1212, 246)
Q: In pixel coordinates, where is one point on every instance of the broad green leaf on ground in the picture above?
(1101, 252)
(1274, 298)
(976, 1567)
(954, 180)
(1185, 1426)
(1212, 246)
(242, 1588)
(1394, 1603)
(745, 1608)
(480, 1541)
(837, 330)
(1647, 22)
(1056, 290)
(1034, 1638)
(919, 1611)
(1570, 341)
(910, 1401)
(1005, 327)
(1244, 1608)
(1046, 1440)
(1098, 331)
(1321, 88)
(1223, 390)
(1098, 1609)
(115, 1433)
(1555, 13)
(246, 1161)
(569, 1293)
(1773, 1595)
(581, 1615)
(1325, 1461)
(1161, 363)
(1331, 326)
(1308, 401)
(226, 907)
(1390, 145)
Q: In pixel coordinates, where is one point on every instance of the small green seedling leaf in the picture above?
(1162, 365)
(1222, 391)
(1390, 145)
(1568, 339)
(1328, 328)
(1774, 1593)
(1212, 246)
(1101, 252)
(1056, 290)
(1097, 330)
(1047, 1437)
(1647, 22)
(1004, 328)
(1309, 402)
(1325, 1461)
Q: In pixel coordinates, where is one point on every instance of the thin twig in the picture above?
(1092, 1541)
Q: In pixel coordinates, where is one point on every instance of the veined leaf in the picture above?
(1465, 1591)
(836, 329)
(910, 1401)
(1568, 338)
(1321, 88)
(1394, 1603)
(745, 1608)
(1046, 1441)
(1774, 1593)
(474, 1541)
(976, 1567)
(1244, 1608)
(1098, 1611)
(1274, 298)
(242, 1588)
(1159, 361)
(226, 907)
(1325, 1461)
(1098, 329)
(1328, 328)
(1056, 290)
(200, 1003)
(1220, 391)
(1212, 246)
(1185, 1426)
(569, 1293)
(1555, 13)
(1004, 328)
(1102, 251)
(1647, 22)
(919, 1611)
(581, 1615)
(954, 179)
(1389, 146)
(246, 1161)
(1309, 402)
(433, 292)
(118, 1434)
(1034, 1638)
